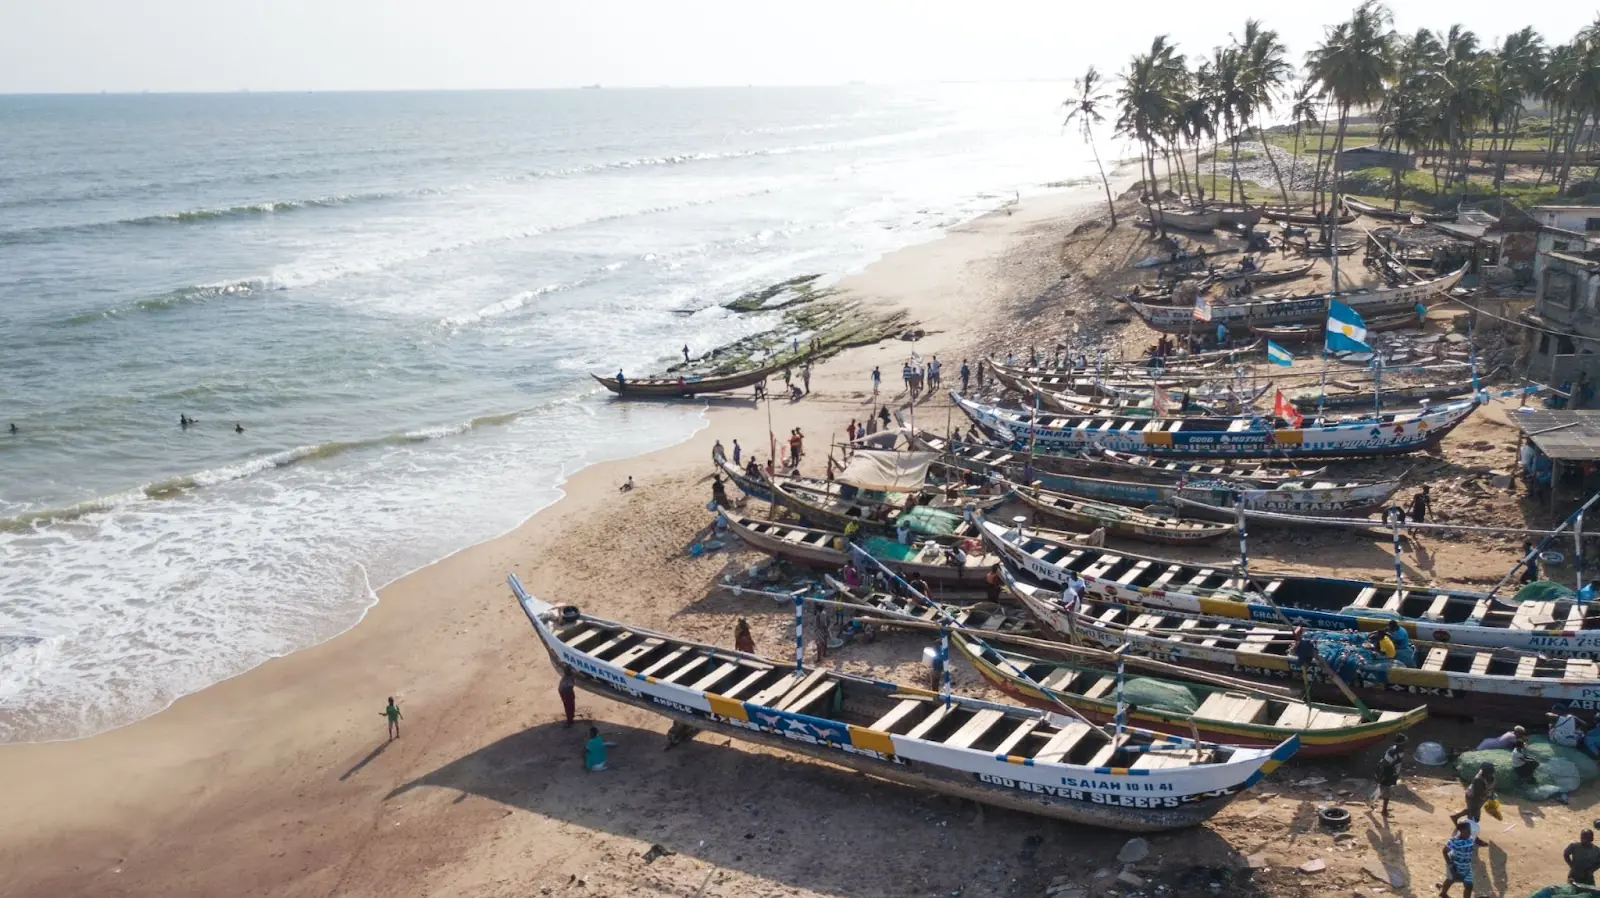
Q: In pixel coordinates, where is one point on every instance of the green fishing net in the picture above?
(1560, 769)
(889, 550)
(930, 521)
(1159, 695)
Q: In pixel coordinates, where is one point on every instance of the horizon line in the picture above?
(551, 89)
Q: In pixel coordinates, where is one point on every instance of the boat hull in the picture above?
(1294, 310)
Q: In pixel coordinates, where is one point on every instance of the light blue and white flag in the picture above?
(1346, 331)
(1277, 355)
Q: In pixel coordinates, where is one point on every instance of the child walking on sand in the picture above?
(392, 712)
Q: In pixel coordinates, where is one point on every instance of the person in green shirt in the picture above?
(594, 752)
(392, 712)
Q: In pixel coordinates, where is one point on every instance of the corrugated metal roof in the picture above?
(1561, 434)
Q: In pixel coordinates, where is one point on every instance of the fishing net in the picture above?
(1565, 891)
(931, 521)
(1543, 591)
(1159, 695)
(1560, 770)
(889, 550)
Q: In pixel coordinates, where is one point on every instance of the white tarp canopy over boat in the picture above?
(890, 472)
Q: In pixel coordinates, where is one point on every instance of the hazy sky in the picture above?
(182, 45)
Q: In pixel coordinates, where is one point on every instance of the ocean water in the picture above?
(398, 296)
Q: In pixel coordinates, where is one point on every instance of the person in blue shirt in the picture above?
(1222, 335)
(594, 753)
(1458, 856)
(1403, 652)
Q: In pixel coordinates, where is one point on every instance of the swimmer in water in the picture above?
(13, 427)
(183, 421)
(238, 428)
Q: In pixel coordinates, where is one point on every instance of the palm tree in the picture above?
(1354, 64)
(1145, 99)
(1227, 94)
(1196, 122)
(1465, 97)
(1265, 69)
(1302, 111)
(1583, 91)
(1522, 58)
(1085, 109)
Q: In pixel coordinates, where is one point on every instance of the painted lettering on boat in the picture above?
(808, 738)
(1092, 796)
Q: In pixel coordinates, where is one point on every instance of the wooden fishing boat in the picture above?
(1305, 333)
(1004, 755)
(1208, 359)
(1242, 217)
(931, 560)
(695, 385)
(1373, 301)
(1139, 407)
(1357, 207)
(749, 482)
(1391, 433)
(834, 505)
(1397, 396)
(1219, 499)
(1291, 216)
(985, 617)
(1119, 520)
(1240, 716)
(1554, 627)
(1200, 221)
(1182, 258)
(1453, 680)
(1262, 276)
(1001, 462)
(1257, 475)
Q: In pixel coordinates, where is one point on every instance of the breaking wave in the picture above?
(192, 216)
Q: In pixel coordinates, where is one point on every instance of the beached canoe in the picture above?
(1554, 627)
(1392, 433)
(1183, 707)
(1182, 258)
(1001, 462)
(1368, 301)
(1262, 276)
(1314, 330)
(1390, 398)
(984, 617)
(1296, 216)
(1200, 221)
(835, 505)
(1004, 755)
(929, 560)
(1118, 520)
(665, 387)
(1453, 680)
(1357, 207)
(749, 482)
(1219, 499)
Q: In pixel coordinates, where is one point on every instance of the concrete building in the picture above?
(1373, 156)
(1566, 309)
(1580, 219)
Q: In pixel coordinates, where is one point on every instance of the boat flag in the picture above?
(1283, 408)
(1160, 403)
(1277, 355)
(1346, 331)
(1202, 308)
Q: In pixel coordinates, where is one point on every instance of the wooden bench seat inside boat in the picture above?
(1233, 707)
(626, 659)
(973, 729)
(770, 694)
(671, 658)
(746, 684)
(811, 701)
(617, 639)
(1102, 758)
(940, 712)
(694, 664)
(1060, 680)
(722, 670)
(1157, 760)
(799, 689)
(898, 714)
(1062, 743)
(1435, 659)
(1304, 717)
(1100, 687)
(1009, 744)
(577, 642)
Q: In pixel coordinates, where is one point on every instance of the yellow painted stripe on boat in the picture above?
(1262, 660)
(1016, 759)
(871, 740)
(1157, 438)
(1410, 676)
(726, 707)
(1224, 608)
(1289, 437)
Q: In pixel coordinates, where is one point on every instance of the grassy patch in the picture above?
(782, 295)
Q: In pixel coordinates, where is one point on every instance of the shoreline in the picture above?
(225, 767)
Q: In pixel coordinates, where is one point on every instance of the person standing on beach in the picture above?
(718, 454)
(966, 375)
(883, 415)
(742, 640)
(805, 377)
(1583, 859)
(686, 353)
(1478, 792)
(392, 712)
(877, 379)
(980, 374)
(569, 695)
(1459, 853)
(1388, 774)
(737, 451)
(1420, 505)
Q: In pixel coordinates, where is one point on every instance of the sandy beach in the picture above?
(280, 781)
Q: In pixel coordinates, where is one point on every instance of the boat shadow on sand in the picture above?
(800, 823)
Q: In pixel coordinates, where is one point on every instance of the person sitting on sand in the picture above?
(1504, 741)
(626, 487)
(594, 752)
(752, 469)
(392, 713)
(742, 640)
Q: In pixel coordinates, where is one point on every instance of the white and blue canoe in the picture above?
(1392, 433)
(1005, 755)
